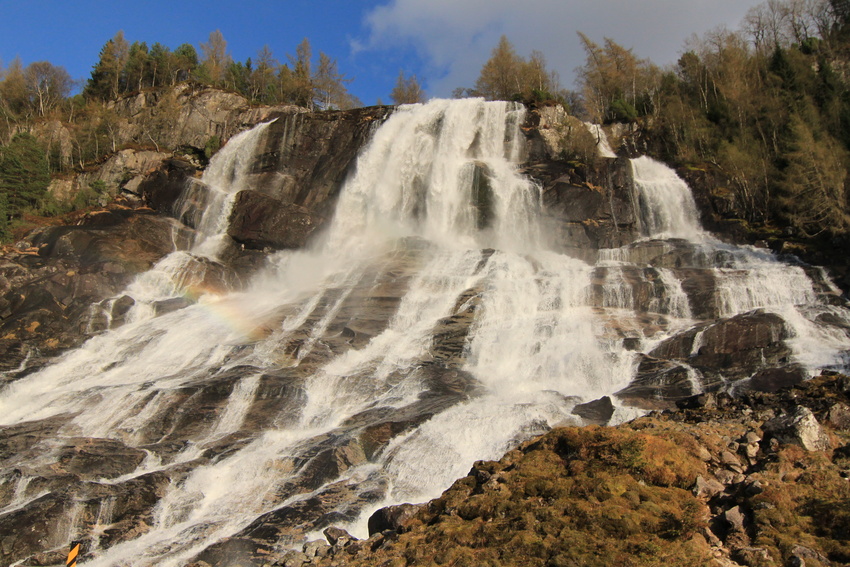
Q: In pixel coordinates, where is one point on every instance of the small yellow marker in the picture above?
(72, 555)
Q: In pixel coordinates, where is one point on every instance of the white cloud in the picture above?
(455, 37)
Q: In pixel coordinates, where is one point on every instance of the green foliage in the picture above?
(622, 111)
(24, 174)
(124, 68)
(24, 177)
(212, 146)
(86, 197)
(5, 234)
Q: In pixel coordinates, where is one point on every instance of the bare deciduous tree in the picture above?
(407, 90)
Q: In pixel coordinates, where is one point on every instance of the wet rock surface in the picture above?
(49, 283)
(259, 221)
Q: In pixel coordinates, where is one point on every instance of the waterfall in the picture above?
(602, 144)
(426, 328)
(226, 175)
(666, 208)
(746, 278)
(210, 200)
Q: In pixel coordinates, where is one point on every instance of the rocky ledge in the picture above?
(761, 479)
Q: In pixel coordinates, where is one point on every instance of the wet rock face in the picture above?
(259, 221)
(294, 178)
(48, 288)
(713, 356)
(306, 157)
(587, 207)
(51, 472)
(161, 188)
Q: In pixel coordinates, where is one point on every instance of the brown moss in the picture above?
(581, 496)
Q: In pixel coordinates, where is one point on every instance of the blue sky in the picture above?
(444, 42)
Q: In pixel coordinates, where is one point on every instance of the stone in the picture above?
(337, 535)
(801, 553)
(394, 518)
(730, 460)
(705, 400)
(748, 555)
(839, 416)
(799, 427)
(751, 438)
(598, 411)
(735, 518)
(730, 349)
(707, 488)
(775, 379)
(316, 548)
(704, 454)
(170, 305)
(726, 477)
(295, 559)
(754, 488)
(657, 381)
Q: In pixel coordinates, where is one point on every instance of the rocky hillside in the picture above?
(51, 279)
(148, 127)
(758, 480)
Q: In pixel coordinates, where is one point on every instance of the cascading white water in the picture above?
(666, 208)
(183, 271)
(226, 175)
(602, 144)
(746, 278)
(436, 203)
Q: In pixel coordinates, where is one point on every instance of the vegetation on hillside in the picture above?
(72, 132)
(768, 106)
(729, 482)
(124, 67)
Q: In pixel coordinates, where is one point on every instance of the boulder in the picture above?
(799, 427)
(775, 379)
(658, 383)
(598, 411)
(393, 518)
(338, 536)
(839, 416)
